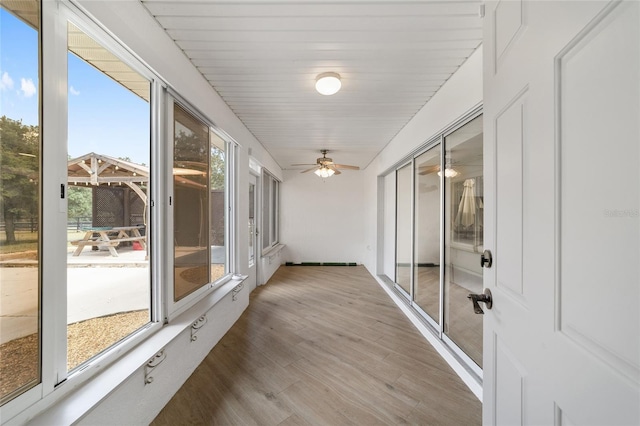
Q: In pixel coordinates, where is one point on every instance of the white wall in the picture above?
(135, 402)
(321, 219)
(269, 264)
(458, 96)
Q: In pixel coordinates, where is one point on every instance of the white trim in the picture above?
(255, 167)
(272, 251)
(54, 155)
(156, 210)
(108, 40)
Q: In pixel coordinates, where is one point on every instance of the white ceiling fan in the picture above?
(325, 166)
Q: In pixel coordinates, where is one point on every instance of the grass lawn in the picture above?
(28, 241)
(25, 241)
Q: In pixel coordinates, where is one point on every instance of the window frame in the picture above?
(56, 383)
(270, 223)
(173, 308)
(29, 392)
(86, 370)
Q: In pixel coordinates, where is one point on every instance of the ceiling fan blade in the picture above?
(308, 170)
(337, 172)
(426, 170)
(345, 166)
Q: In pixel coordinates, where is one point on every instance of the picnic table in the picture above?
(109, 237)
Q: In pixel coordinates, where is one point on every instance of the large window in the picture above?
(108, 279)
(20, 237)
(270, 213)
(191, 201)
(199, 213)
(117, 184)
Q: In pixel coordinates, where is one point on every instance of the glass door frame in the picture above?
(436, 328)
(407, 294)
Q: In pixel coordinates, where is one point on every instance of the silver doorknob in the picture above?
(485, 298)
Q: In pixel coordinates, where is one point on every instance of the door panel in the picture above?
(610, 219)
(404, 228)
(509, 194)
(427, 233)
(562, 101)
(464, 208)
(509, 377)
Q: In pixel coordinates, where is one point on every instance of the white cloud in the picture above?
(6, 82)
(27, 87)
(73, 91)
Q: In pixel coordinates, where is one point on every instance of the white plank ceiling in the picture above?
(263, 56)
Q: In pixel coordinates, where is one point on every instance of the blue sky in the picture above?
(104, 117)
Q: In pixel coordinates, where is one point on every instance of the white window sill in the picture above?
(271, 251)
(79, 401)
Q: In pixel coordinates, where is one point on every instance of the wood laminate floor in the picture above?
(322, 346)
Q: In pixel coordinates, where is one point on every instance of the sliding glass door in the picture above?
(463, 238)
(439, 238)
(403, 228)
(426, 261)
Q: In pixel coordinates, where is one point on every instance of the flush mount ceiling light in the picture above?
(328, 83)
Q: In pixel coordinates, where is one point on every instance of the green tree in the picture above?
(217, 168)
(79, 201)
(19, 163)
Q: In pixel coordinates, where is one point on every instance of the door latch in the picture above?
(485, 298)
(486, 260)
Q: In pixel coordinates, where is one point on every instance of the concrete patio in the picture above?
(98, 285)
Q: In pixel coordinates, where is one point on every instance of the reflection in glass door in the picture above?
(403, 228)
(464, 237)
(427, 233)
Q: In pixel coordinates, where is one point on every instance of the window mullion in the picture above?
(54, 222)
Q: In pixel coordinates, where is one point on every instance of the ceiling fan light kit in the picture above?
(324, 172)
(328, 83)
(325, 167)
(449, 173)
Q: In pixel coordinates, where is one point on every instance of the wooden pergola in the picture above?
(102, 170)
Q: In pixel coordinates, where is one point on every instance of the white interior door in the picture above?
(562, 136)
